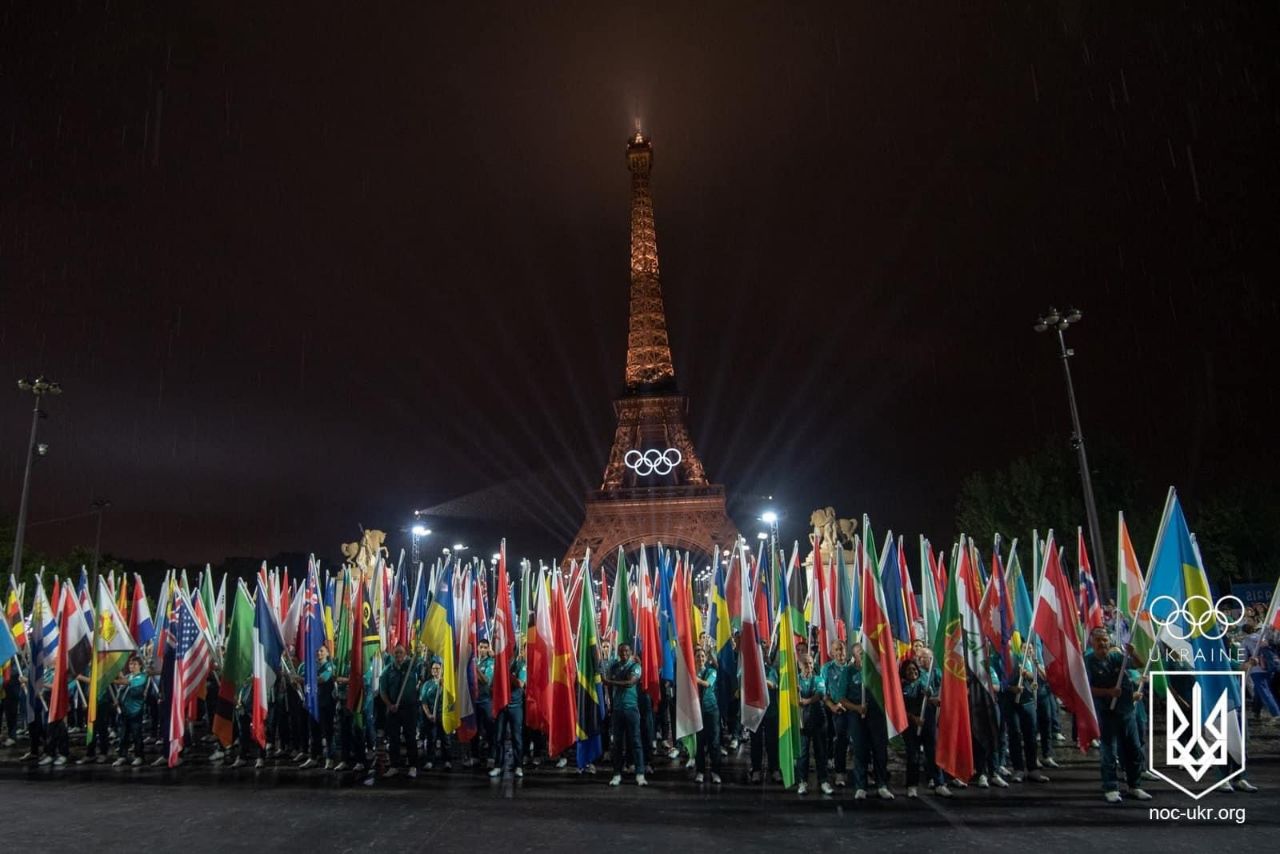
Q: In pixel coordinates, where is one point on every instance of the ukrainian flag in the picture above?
(1183, 613)
(437, 637)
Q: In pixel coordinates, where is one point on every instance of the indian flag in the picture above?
(1134, 624)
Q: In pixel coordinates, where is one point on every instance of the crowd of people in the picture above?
(844, 741)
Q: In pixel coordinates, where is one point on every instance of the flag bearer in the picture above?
(133, 696)
(868, 730)
(400, 700)
(623, 679)
(813, 725)
(835, 676)
(432, 698)
(1109, 680)
(709, 735)
(510, 723)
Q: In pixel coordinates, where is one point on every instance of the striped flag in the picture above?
(192, 660)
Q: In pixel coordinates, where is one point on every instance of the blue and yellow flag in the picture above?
(437, 637)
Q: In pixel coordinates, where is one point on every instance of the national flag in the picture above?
(112, 646)
(688, 718)
(823, 615)
(954, 746)
(192, 659)
(721, 628)
(140, 615)
(982, 706)
(931, 613)
(74, 653)
(908, 591)
(788, 689)
(312, 639)
(1179, 600)
(1016, 584)
(13, 617)
(1133, 625)
(621, 622)
(1272, 619)
(8, 646)
(504, 646)
(463, 626)
(353, 647)
(846, 596)
(1055, 623)
(46, 634)
(437, 637)
(754, 691)
(268, 648)
(895, 606)
(209, 600)
(1090, 607)
(538, 664)
(879, 653)
(237, 665)
(589, 688)
(996, 611)
(796, 592)
(562, 707)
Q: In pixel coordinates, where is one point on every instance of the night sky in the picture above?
(304, 269)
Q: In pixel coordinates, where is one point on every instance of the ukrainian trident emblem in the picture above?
(1195, 741)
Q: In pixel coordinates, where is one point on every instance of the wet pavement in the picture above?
(207, 807)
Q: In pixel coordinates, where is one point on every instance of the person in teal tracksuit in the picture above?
(1108, 672)
(813, 743)
(133, 698)
(401, 701)
(484, 702)
(764, 741)
(835, 677)
(709, 735)
(868, 729)
(432, 699)
(322, 732)
(510, 723)
(623, 679)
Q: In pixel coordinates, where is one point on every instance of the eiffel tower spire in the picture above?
(649, 367)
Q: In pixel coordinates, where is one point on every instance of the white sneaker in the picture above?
(59, 762)
(328, 765)
(1112, 797)
(715, 778)
(628, 769)
(1140, 794)
(429, 765)
(519, 773)
(391, 772)
(8, 742)
(860, 795)
(699, 779)
(341, 766)
(309, 763)
(259, 763)
(840, 781)
(1017, 777)
(1050, 762)
(118, 763)
(562, 762)
(690, 764)
(999, 782)
(590, 769)
(1003, 771)
(1038, 777)
(957, 783)
(413, 772)
(1226, 788)
(1059, 737)
(942, 791)
(239, 763)
(616, 780)
(496, 772)
(912, 792)
(216, 755)
(157, 762)
(733, 744)
(1245, 786)
(802, 789)
(137, 762)
(826, 788)
(884, 793)
(641, 781)
(673, 754)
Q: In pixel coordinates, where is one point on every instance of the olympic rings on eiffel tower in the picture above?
(652, 461)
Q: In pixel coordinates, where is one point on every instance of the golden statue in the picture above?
(363, 556)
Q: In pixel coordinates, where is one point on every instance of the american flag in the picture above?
(190, 669)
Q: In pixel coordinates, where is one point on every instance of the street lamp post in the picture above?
(1059, 323)
(97, 506)
(38, 387)
(417, 531)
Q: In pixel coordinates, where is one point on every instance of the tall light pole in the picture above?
(1059, 323)
(38, 387)
(98, 506)
(417, 531)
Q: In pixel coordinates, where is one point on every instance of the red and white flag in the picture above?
(755, 693)
(1054, 621)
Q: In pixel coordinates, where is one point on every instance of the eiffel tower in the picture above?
(654, 486)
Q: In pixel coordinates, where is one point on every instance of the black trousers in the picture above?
(401, 726)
